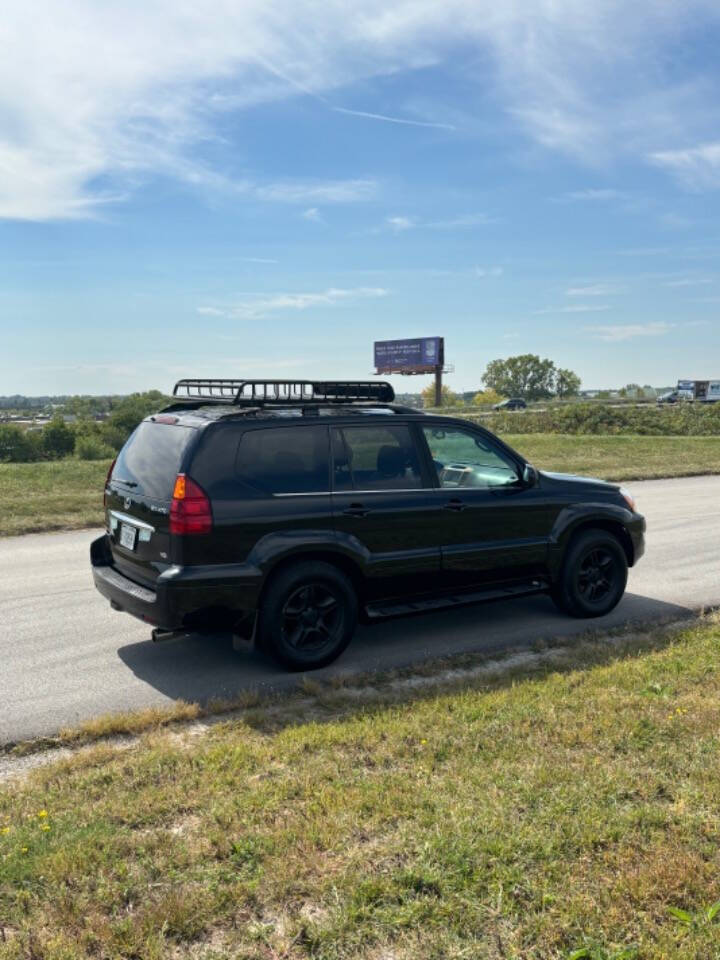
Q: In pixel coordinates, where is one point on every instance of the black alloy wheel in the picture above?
(312, 617)
(307, 615)
(593, 576)
(597, 575)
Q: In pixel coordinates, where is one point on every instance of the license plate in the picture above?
(128, 536)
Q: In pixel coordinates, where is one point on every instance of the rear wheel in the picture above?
(593, 577)
(308, 615)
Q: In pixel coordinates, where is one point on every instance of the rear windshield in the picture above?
(150, 460)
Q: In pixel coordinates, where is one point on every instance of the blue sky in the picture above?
(259, 188)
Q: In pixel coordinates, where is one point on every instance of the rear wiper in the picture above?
(125, 483)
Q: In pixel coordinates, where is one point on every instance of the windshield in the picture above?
(150, 460)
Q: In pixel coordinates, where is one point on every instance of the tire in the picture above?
(292, 626)
(593, 577)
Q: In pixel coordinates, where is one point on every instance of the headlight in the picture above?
(628, 498)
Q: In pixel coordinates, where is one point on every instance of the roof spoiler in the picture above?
(260, 393)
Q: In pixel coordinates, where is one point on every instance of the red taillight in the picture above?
(107, 481)
(190, 508)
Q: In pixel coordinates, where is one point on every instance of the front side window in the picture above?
(464, 459)
(375, 458)
(285, 460)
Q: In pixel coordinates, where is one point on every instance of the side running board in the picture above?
(381, 610)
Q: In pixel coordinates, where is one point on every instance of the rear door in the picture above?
(139, 494)
(270, 489)
(495, 528)
(384, 505)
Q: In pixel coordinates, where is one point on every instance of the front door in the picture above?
(385, 506)
(496, 528)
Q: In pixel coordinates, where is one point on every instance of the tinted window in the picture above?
(375, 458)
(464, 459)
(285, 460)
(150, 460)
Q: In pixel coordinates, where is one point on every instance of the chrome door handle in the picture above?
(456, 505)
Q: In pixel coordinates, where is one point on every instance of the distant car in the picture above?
(672, 396)
(514, 403)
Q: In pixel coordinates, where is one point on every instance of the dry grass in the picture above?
(62, 495)
(568, 799)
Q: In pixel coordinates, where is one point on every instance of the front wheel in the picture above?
(593, 577)
(308, 615)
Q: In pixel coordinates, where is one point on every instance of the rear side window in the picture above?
(285, 460)
(375, 458)
(150, 461)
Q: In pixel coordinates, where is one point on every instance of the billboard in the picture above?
(420, 355)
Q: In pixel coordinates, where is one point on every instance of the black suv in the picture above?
(284, 511)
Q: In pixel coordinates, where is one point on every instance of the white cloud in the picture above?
(593, 290)
(688, 282)
(464, 220)
(402, 120)
(398, 224)
(96, 97)
(258, 260)
(332, 191)
(594, 195)
(313, 215)
(696, 167)
(575, 308)
(488, 271)
(261, 306)
(401, 223)
(628, 331)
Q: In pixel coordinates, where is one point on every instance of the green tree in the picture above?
(58, 439)
(129, 412)
(567, 383)
(449, 398)
(527, 376)
(18, 445)
(485, 397)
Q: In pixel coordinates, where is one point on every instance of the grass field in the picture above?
(61, 495)
(620, 457)
(568, 801)
(67, 494)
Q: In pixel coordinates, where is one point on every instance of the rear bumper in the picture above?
(202, 597)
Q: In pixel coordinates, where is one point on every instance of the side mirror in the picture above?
(529, 475)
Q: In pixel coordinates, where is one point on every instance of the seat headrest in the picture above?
(391, 461)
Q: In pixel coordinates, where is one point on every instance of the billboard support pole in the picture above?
(438, 385)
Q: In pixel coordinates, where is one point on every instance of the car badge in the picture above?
(128, 503)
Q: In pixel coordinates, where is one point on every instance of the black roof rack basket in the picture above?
(260, 393)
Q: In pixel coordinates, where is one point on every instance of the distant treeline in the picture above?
(81, 405)
(683, 419)
(85, 439)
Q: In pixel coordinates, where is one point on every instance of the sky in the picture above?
(264, 188)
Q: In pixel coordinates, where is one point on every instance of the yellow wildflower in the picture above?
(4, 830)
(42, 813)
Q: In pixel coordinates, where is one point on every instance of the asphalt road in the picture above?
(65, 656)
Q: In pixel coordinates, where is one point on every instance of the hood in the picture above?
(574, 478)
